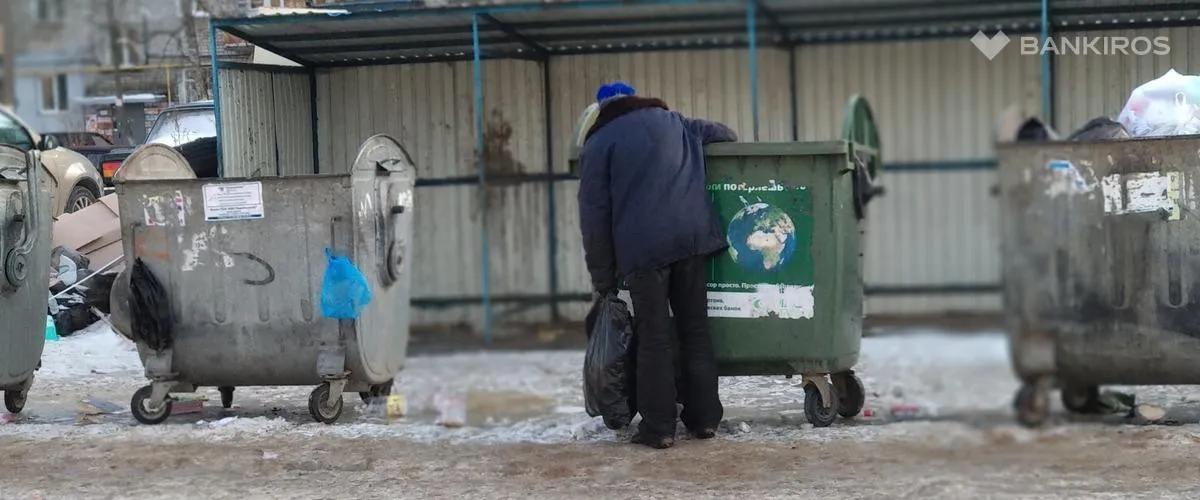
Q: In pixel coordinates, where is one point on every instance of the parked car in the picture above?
(76, 182)
(90, 144)
(190, 128)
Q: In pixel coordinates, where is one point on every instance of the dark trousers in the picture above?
(682, 286)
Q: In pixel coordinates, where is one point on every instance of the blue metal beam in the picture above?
(480, 148)
(1047, 68)
(752, 36)
(941, 166)
(463, 57)
(772, 18)
(214, 61)
(507, 180)
(512, 33)
(556, 177)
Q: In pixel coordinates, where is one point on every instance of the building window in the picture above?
(49, 10)
(54, 94)
(129, 50)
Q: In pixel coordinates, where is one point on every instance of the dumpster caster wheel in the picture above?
(14, 401)
(814, 407)
(377, 391)
(226, 397)
(141, 411)
(1032, 405)
(321, 407)
(1084, 400)
(851, 394)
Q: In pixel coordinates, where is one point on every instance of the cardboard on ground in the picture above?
(94, 232)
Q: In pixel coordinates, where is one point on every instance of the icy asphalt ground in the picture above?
(529, 405)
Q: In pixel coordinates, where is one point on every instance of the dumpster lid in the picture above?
(778, 148)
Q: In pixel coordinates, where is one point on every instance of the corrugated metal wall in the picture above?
(1087, 86)
(266, 123)
(430, 109)
(710, 84)
(936, 103)
(932, 228)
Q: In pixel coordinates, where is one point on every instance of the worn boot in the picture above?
(656, 442)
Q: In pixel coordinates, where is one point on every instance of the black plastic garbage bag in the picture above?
(610, 367)
(149, 309)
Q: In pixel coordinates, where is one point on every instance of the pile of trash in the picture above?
(1163, 107)
(85, 260)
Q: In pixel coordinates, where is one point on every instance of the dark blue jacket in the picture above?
(642, 198)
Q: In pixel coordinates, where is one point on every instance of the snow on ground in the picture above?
(963, 379)
(95, 350)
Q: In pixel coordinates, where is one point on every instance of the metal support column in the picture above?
(793, 92)
(216, 95)
(313, 115)
(1047, 68)
(752, 33)
(484, 250)
(551, 202)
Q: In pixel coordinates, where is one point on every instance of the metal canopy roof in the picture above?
(404, 34)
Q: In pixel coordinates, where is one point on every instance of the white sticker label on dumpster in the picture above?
(1143, 193)
(787, 302)
(780, 301)
(233, 201)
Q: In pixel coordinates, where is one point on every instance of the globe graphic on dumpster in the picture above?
(762, 237)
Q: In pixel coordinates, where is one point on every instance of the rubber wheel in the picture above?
(137, 405)
(226, 397)
(79, 199)
(1031, 405)
(14, 401)
(377, 391)
(851, 394)
(321, 409)
(1081, 399)
(815, 410)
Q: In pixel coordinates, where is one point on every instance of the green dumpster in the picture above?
(786, 297)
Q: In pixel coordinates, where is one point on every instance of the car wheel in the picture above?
(80, 198)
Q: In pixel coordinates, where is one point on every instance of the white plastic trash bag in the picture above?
(1168, 105)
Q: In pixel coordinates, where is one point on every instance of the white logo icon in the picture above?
(990, 46)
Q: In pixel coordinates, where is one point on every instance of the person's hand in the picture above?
(599, 293)
(603, 289)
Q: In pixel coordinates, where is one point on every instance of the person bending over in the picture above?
(646, 218)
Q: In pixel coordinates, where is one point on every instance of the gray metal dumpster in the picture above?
(242, 262)
(24, 271)
(1101, 258)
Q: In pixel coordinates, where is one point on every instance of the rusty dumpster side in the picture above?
(1101, 259)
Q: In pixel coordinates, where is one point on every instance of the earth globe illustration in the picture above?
(762, 237)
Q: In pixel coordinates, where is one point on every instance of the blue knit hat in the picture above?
(615, 89)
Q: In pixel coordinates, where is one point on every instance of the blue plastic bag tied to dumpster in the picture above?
(344, 292)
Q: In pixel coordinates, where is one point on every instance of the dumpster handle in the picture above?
(395, 254)
(15, 262)
(32, 180)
